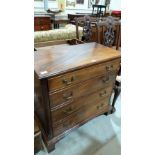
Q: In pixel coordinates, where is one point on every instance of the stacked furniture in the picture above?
(73, 84)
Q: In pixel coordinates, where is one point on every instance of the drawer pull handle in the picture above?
(68, 97)
(105, 79)
(109, 68)
(102, 94)
(68, 82)
(100, 106)
(68, 111)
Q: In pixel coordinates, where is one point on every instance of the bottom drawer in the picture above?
(80, 116)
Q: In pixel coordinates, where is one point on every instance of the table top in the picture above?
(42, 15)
(58, 18)
(50, 61)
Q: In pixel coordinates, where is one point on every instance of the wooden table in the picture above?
(57, 20)
(73, 84)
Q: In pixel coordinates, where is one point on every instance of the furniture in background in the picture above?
(72, 17)
(97, 10)
(86, 23)
(73, 84)
(67, 32)
(42, 23)
(57, 20)
(116, 13)
(53, 11)
(95, 29)
(37, 137)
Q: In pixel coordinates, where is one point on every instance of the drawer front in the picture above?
(74, 77)
(87, 112)
(42, 27)
(71, 93)
(41, 21)
(61, 113)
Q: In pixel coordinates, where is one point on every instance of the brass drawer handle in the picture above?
(102, 94)
(105, 79)
(68, 110)
(109, 68)
(67, 81)
(68, 97)
(100, 106)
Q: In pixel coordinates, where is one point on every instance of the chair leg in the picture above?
(117, 91)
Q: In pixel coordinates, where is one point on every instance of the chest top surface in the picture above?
(54, 60)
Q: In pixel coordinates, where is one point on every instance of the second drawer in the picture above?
(71, 93)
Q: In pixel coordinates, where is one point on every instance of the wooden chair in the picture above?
(86, 22)
(117, 89)
(111, 28)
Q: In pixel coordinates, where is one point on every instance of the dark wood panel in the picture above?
(41, 104)
(42, 27)
(42, 23)
(37, 137)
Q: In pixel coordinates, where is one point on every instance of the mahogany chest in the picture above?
(73, 84)
(42, 23)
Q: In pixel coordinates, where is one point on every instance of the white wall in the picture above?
(53, 4)
(115, 5)
(39, 6)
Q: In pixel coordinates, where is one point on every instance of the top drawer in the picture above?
(74, 77)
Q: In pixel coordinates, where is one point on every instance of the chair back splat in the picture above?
(111, 31)
(86, 22)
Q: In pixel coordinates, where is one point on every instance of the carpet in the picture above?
(100, 136)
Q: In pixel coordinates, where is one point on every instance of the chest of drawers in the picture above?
(42, 23)
(73, 84)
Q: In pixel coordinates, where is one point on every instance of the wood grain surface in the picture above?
(53, 60)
